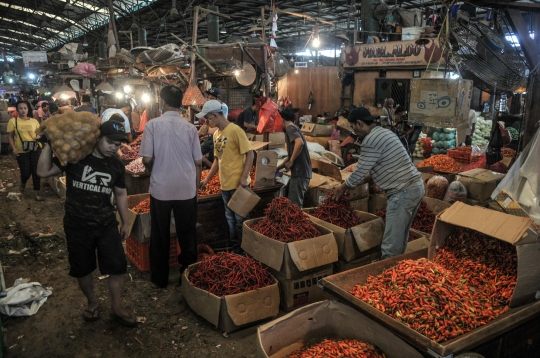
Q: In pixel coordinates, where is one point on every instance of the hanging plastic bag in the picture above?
(521, 181)
(456, 192)
(436, 187)
(84, 69)
(269, 118)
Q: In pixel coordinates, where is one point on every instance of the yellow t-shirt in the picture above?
(26, 128)
(230, 147)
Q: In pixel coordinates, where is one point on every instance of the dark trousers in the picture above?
(28, 166)
(185, 217)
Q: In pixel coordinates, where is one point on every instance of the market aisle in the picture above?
(58, 330)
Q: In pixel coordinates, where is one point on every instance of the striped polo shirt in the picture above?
(384, 156)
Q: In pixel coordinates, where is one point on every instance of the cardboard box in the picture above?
(440, 102)
(318, 189)
(139, 224)
(512, 229)
(355, 242)
(480, 183)
(421, 241)
(276, 139)
(231, 312)
(317, 130)
(292, 259)
(508, 205)
(320, 140)
(377, 202)
(265, 168)
(344, 123)
(243, 201)
(341, 265)
(326, 320)
(361, 191)
(303, 290)
(361, 204)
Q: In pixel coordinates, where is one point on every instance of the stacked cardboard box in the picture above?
(298, 266)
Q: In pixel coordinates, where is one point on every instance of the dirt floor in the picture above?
(171, 329)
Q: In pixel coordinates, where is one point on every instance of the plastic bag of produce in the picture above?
(72, 134)
(456, 192)
(436, 187)
(521, 182)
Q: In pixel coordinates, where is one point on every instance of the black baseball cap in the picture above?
(113, 130)
(214, 91)
(288, 114)
(361, 114)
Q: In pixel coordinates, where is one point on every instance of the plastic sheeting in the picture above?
(521, 181)
(24, 299)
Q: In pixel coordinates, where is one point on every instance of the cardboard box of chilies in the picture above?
(357, 241)
(231, 312)
(139, 224)
(512, 229)
(292, 259)
(326, 320)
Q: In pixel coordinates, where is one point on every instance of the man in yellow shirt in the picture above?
(233, 158)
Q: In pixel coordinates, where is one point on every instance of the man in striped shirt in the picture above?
(384, 156)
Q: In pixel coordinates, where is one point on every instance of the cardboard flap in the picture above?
(317, 180)
(329, 170)
(369, 234)
(203, 302)
(492, 223)
(484, 175)
(316, 252)
(261, 248)
(258, 145)
(243, 201)
(254, 305)
(265, 169)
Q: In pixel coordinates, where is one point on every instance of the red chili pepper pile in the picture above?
(142, 207)
(498, 167)
(227, 274)
(342, 348)
(213, 186)
(508, 153)
(339, 213)
(441, 163)
(469, 283)
(285, 222)
(423, 221)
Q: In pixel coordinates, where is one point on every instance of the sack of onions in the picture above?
(72, 134)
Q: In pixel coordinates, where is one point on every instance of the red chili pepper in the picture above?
(142, 207)
(339, 213)
(423, 221)
(226, 274)
(285, 222)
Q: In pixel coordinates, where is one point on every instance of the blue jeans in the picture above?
(234, 221)
(401, 209)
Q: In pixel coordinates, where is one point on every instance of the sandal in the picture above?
(93, 315)
(123, 321)
(39, 198)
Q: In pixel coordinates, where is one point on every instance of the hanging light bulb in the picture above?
(127, 89)
(146, 97)
(316, 41)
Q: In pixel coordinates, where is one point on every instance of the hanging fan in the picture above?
(277, 65)
(485, 57)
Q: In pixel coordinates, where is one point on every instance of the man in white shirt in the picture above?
(171, 152)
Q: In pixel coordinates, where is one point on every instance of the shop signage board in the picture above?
(34, 58)
(392, 54)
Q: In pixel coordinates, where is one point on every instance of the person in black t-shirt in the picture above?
(298, 160)
(249, 119)
(90, 223)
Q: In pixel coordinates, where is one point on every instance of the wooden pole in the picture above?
(113, 23)
(263, 25)
(192, 78)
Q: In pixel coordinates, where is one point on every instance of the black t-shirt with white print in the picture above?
(89, 186)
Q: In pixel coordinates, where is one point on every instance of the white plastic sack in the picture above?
(521, 181)
(24, 299)
(282, 153)
(315, 147)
